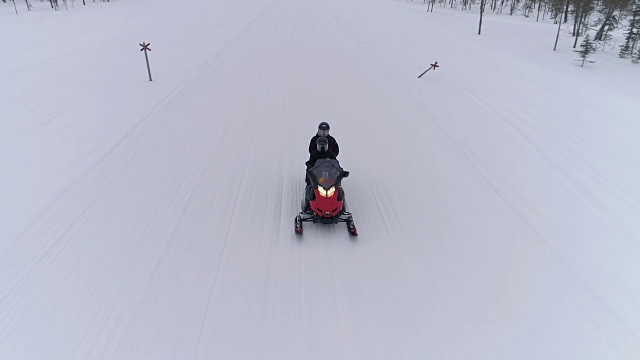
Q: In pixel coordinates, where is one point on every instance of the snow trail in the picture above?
(176, 240)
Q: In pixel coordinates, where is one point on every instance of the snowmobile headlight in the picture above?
(326, 193)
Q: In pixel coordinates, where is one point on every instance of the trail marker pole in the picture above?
(145, 47)
(433, 66)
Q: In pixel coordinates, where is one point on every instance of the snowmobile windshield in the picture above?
(326, 173)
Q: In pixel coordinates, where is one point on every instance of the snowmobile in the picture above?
(324, 198)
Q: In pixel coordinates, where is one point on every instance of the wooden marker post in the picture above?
(433, 66)
(145, 47)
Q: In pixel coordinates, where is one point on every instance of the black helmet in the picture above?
(323, 129)
(322, 143)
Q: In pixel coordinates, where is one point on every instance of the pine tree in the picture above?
(625, 50)
(607, 10)
(634, 26)
(583, 9)
(606, 36)
(636, 59)
(632, 33)
(586, 49)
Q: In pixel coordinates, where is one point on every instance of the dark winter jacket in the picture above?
(317, 155)
(333, 144)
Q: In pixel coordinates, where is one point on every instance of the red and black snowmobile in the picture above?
(324, 198)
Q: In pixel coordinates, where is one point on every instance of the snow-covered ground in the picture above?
(497, 197)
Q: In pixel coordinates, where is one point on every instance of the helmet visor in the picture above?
(324, 133)
(323, 148)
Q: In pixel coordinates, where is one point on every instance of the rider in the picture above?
(321, 151)
(323, 130)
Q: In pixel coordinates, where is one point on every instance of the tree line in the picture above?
(601, 16)
(55, 4)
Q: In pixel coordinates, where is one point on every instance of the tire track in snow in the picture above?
(561, 268)
(77, 82)
(82, 215)
(80, 219)
(207, 68)
(455, 148)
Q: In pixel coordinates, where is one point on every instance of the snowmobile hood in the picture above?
(326, 173)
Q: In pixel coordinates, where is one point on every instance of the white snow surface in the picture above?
(497, 197)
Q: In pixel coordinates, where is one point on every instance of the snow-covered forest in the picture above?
(602, 17)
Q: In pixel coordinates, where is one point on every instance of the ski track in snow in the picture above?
(176, 240)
